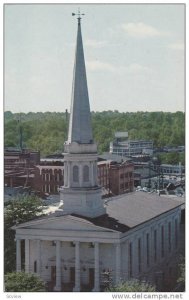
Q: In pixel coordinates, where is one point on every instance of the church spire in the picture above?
(80, 129)
(81, 193)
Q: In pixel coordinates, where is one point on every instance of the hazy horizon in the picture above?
(96, 111)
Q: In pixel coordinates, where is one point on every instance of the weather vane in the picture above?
(79, 15)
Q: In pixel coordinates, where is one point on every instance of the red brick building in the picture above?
(45, 176)
(19, 167)
(115, 178)
(121, 178)
(48, 178)
(104, 176)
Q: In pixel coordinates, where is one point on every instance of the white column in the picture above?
(77, 267)
(69, 171)
(154, 245)
(95, 173)
(80, 175)
(135, 256)
(27, 255)
(58, 267)
(65, 173)
(126, 254)
(166, 238)
(38, 257)
(147, 245)
(92, 174)
(151, 252)
(118, 263)
(97, 277)
(159, 243)
(143, 252)
(173, 244)
(177, 233)
(18, 255)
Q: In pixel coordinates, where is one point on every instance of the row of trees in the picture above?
(47, 131)
(28, 282)
(24, 282)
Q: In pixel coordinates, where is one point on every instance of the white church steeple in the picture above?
(80, 129)
(81, 193)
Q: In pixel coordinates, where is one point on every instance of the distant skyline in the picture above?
(134, 56)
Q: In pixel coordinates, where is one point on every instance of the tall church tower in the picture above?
(81, 193)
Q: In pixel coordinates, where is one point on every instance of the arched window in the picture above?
(75, 174)
(85, 173)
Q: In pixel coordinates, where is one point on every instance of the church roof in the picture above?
(123, 213)
(138, 207)
(80, 128)
(127, 211)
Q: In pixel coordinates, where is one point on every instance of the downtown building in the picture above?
(115, 175)
(126, 147)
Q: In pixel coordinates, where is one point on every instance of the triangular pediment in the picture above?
(64, 222)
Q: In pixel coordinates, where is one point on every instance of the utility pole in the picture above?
(149, 180)
(180, 166)
(20, 134)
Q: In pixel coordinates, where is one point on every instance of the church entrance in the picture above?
(91, 277)
(53, 274)
(72, 275)
(52, 282)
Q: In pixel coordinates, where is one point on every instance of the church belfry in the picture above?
(81, 193)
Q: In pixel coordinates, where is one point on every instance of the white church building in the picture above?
(89, 243)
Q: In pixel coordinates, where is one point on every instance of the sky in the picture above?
(134, 53)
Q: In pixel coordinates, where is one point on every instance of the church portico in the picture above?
(73, 254)
(70, 265)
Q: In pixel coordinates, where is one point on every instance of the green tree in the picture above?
(47, 131)
(172, 158)
(181, 277)
(132, 286)
(19, 210)
(182, 158)
(11, 136)
(23, 282)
